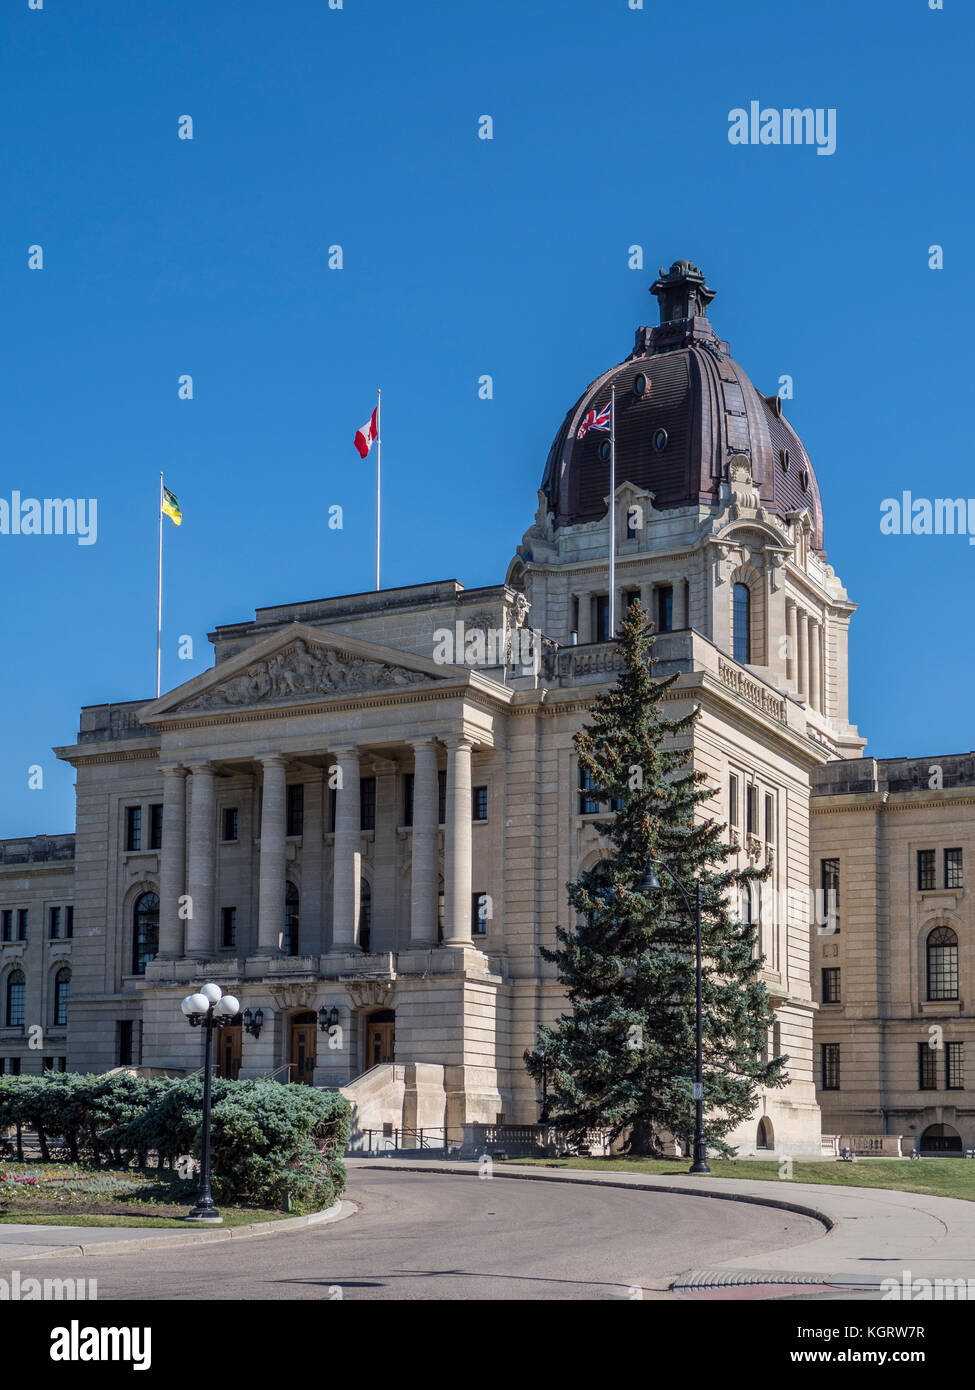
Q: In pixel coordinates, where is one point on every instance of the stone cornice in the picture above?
(96, 754)
(874, 802)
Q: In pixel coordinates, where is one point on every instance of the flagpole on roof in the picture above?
(159, 596)
(379, 458)
(612, 514)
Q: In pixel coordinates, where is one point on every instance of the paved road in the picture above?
(440, 1236)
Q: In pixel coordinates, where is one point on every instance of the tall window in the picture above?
(479, 803)
(955, 1066)
(229, 924)
(942, 964)
(829, 1058)
(291, 904)
(22, 922)
(479, 914)
(442, 796)
(365, 915)
(751, 810)
(665, 608)
(602, 633)
(769, 819)
(133, 827)
(231, 823)
(742, 624)
(126, 1055)
(925, 870)
(954, 878)
(831, 985)
(408, 783)
(16, 993)
(367, 803)
(155, 826)
(296, 809)
(68, 923)
(6, 924)
(927, 1068)
(145, 932)
(54, 924)
(829, 882)
(588, 803)
(62, 988)
(732, 800)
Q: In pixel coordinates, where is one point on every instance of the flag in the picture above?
(594, 420)
(367, 436)
(170, 507)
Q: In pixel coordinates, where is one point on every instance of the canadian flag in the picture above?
(367, 436)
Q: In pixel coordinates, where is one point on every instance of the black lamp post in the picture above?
(328, 1019)
(692, 901)
(209, 1009)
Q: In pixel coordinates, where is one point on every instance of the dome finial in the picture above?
(682, 292)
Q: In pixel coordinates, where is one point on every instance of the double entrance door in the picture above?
(304, 1048)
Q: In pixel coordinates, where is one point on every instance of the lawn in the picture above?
(934, 1177)
(66, 1194)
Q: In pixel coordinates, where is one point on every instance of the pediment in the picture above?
(297, 665)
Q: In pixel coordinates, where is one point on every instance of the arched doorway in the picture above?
(229, 1047)
(940, 1139)
(304, 1046)
(765, 1138)
(380, 1037)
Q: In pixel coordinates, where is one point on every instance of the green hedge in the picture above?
(271, 1144)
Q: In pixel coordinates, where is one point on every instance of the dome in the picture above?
(683, 410)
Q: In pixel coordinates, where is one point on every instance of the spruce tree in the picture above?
(623, 1059)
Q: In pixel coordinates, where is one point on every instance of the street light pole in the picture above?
(209, 1009)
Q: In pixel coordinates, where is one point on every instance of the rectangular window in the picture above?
(588, 805)
(831, 985)
(479, 798)
(408, 783)
(229, 936)
(367, 803)
(15, 1066)
(751, 811)
(22, 923)
(955, 1066)
(631, 597)
(68, 923)
(155, 826)
(479, 914)
(954, 877)
(231, 823)
(296, 809)
(927, 1067)
(133, 827)
(16, 991)
(733, 800)
(925, 870)
(7, 924)
(829, 883)
(602, 633)
(54, 924)
(829, 1058)
(47, 1064)
(125, 1054)
(665, 608)
(441, 797)
(769, 819)
(332, 802)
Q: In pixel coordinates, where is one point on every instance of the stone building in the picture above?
(367, 810)
(894, 973)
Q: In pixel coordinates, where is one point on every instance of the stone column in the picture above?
(457, 846)
(273, 870)
(814, 664)
(680, 604)
(172, 863)
(423, 890)
(585, 618)
(200, 936)
(802, 656)
(345, 848)
(792, 628)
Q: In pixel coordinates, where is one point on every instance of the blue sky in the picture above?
(462, 257)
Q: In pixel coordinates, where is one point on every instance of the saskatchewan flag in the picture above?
(170, 507)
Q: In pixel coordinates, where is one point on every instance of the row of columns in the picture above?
(188, 868)
(805, 661)
(648, 598)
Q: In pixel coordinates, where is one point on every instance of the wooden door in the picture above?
(229, 1051)
(304, 1043)
(380, 1040)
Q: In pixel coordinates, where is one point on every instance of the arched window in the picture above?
(62, 988)
(742, 624)
(145, 932)
(764, 1138)
(290, 919)
(16, 992)
(942, 964)
(365, 915)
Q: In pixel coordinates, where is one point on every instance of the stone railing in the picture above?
(753, 691)
(101, 723)
(38, 849)
(872, 1145)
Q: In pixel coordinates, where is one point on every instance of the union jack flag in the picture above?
(594, 420)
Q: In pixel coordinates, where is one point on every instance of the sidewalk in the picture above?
(24, 1242)
(870, 1234)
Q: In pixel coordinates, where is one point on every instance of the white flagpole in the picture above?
(612, 515)
(159, 597)
(379, 459)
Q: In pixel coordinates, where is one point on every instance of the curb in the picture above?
(338, 1211)
(736, 1278)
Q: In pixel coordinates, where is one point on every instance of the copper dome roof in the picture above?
(697, 410)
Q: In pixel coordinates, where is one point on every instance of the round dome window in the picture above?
(640, 385)
(604, 450)
(804, 479)
(660, 440)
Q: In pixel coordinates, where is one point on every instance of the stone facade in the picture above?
(896, 1019)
